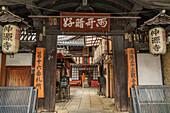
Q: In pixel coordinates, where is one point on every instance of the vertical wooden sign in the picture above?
(132, 76)
(39, 76)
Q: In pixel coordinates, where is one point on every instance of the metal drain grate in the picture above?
(151, 99)
(17, 99)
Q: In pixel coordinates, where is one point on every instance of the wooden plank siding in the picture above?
(18, 76)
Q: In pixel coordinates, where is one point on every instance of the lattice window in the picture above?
(95, 73)
(75, 74)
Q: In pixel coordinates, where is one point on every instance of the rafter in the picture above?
(64, 6)
(133, 22)
(46, 2)
(106, 7)
(36, 22)
(32, 8)
(121, 3)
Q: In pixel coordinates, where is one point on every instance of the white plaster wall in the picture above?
(19, 59)
(149, 69)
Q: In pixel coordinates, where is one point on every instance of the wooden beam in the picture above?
(37, 24)
(133, 22)
(112, 32)
(36, 21)
(106, 7)
(13, 2)
(33, 8)
(63, 6)
(121, 3)
(131, 25)
(153, 4)
(46, 2)
(136, 8)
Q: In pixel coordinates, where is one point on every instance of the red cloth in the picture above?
(82, 77)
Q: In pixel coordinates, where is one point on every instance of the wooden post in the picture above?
(108, 79)
(2, 74)
(50, 73)
(120, 77)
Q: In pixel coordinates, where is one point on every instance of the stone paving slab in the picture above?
(86, 100)
(91, 111)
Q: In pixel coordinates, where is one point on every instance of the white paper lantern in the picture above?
(10, 39)
(157, 41)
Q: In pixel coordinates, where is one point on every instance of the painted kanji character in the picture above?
(38, 85)
(68, 22)
(38, 73)
(102, 22)
(39, 54)
(8, 28)
(133, 73)
(156, 47)
(133, 81)
(90, 22)
(7, 45)
(131, 57)
(156, 39)
(80, 23)
(39, 61)
(8, 36)
(39, 67)
(131, 52)
(38, 79)
(154, 32)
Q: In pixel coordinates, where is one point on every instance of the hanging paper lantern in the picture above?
(157, 41)
(10, 39)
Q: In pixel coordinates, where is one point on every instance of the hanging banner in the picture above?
(157, 41)
(39, 76)
(132, 76)
(85, 22)
(67, 64)
(10, 39)
(78, 60)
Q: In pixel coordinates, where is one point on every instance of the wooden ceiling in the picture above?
(146, 8)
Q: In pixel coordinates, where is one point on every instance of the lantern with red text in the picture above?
(157, 41)
(10, 39)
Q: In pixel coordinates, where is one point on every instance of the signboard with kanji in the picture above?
(84, 22)
(132, 76)
(157, 41)
(39, 76)
(10, 38)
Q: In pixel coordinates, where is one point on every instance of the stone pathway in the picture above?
(86, 100)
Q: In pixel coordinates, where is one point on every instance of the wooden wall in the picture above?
(14, 75)
(166, 66)
(18, 76)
